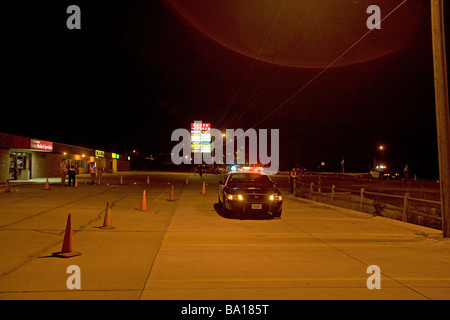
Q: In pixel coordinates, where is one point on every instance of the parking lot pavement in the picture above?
(187, 249)
(114, 263)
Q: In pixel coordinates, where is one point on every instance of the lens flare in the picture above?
(304, 33)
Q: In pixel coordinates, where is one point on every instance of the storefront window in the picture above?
(19, 165)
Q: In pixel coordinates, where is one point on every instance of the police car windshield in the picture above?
(249, 178)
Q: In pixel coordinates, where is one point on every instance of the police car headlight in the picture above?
(235, 197)
(276, 197)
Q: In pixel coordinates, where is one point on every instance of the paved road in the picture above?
(186, 249)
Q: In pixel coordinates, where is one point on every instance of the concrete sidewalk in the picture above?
(114, 263)
(187, 249)
(314, 251)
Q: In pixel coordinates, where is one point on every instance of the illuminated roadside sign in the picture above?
(115, 156)
(99, 153)
(196, 131)
(41, 145)
(200, 137)
(206, 138)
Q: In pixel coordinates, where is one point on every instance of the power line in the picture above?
(279, 55)
(253, 64)
(329, 65)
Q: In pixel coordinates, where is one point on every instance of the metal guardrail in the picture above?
(360, 197)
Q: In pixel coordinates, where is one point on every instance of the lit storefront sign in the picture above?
(115, 156)
(99, 153)
(41, 145)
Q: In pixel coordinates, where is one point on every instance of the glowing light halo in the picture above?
(397, 33)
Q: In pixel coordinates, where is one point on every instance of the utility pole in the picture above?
(442, 110)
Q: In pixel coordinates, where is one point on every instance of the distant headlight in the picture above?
(276, 197)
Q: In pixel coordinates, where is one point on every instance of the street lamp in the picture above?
(381, 148)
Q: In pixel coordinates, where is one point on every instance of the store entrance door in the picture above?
(19, 165)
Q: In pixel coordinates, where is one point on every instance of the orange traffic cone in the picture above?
(121, 180)
(204, 188)
(7, 187)
(148, 180)
(67, 247)
(76, 182)
(143, 203)
(187, 180)
(99, 182)
(47, 185)
(107, 221)
(171, 195)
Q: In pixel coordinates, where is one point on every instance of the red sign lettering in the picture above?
(41, 145)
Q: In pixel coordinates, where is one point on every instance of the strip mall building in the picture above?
(24, 158)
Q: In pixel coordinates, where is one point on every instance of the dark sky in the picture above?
(137, 70)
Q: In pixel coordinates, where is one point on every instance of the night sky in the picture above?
(137, 70)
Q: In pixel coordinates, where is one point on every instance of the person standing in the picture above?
(92, 170)
(72, 172)
(100, 170)
(292, 178)
(406, 173)
(63, 171)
